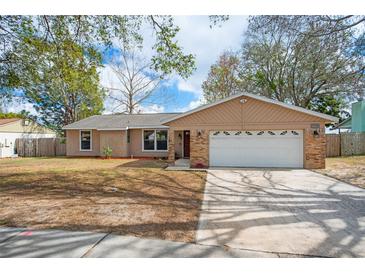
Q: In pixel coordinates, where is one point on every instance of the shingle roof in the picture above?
(122, 121)
(8, 120)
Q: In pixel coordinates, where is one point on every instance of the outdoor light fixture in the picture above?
(315, 129)
(199, 133)
(242, 101)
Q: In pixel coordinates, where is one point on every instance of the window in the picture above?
(161, 139)
(149, 140)
(154, 140)
(85, 140)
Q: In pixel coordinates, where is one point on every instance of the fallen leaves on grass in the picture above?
(119, 196)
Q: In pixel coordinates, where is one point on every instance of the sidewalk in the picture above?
(17, 242)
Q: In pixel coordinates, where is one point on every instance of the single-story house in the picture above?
(14, 128)
(243, 130)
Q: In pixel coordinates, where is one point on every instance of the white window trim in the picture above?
(91, 139)
(155, 142)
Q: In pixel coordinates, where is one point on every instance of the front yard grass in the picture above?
(348, 169)
(130, 197)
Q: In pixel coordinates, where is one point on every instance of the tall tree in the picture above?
(298, 66)
(223, 78)
(53, 59)
(63, 86)
(98, 32)
(290, 59)
(136, 81)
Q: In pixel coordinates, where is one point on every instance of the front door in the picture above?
(186, 144)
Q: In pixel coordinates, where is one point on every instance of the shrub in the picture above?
(107, 151)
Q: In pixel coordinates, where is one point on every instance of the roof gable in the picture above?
(6, 121)
(324, 117)
(17, 125)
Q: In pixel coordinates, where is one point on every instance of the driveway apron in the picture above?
(295, 212)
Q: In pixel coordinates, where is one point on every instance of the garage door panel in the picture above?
(260, 149)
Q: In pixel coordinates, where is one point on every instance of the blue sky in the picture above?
(196, 37)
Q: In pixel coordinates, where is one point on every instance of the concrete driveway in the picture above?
(293, 212)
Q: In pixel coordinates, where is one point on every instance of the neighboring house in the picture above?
(14, 128)
(244, 130)
(355, 123)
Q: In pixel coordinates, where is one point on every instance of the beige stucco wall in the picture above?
(135, 146)
(18, 126)
(252, 115)
(73, 144)
(116, 139)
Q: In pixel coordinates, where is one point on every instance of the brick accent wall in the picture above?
(171, 152)
(314, 149)
(199, 148)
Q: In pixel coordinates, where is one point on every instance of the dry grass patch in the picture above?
(134, 197)
(347, 169)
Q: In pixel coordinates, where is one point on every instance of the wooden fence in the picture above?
(345, 144)
(39, 147)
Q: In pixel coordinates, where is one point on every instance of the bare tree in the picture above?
(136, 81)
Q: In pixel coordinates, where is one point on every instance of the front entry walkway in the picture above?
(180, 164)
(296, 212)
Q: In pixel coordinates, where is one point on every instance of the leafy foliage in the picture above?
(223, 78)
(303, 60)
(9, 115)
(107, 151)
(54, 60)
(169, 57)
(61, 81)
(299, 66)
(330, 105)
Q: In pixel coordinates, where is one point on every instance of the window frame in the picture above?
(91, 139)
(155, 140)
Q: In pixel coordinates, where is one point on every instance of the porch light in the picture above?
(199, 133)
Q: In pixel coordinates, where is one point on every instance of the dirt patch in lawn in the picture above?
(119, 196)
(348, 169)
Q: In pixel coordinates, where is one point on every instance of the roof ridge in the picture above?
(147, 113)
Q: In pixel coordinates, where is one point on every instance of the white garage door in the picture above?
(276, 148)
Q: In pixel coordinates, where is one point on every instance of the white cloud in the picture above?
(206, 43)
(196, 37)
(17, 106)
(151, 109)
(191, 105)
